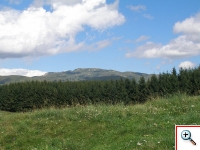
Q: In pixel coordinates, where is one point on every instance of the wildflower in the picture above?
(138, 143)
(144, 140)
(192, 105)
(158, 141)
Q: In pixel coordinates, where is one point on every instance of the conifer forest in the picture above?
(26, 96)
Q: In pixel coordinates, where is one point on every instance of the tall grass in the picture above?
(98, 127)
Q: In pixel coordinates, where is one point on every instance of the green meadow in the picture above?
(150, 125)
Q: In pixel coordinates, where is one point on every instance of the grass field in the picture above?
(143, 126)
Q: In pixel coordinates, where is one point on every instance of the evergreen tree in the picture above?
(183, 81)
(195, 81)
(173, 79)
(142, 89)
(133, 93)
(164, 84)
(154, 86)
(121, 89)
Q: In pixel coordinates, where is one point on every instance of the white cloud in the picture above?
(185, 45)
(97, 45)
(148, 16)
(189, 27)
(100, 44)
(55, 3)
(158, 67)
(142, 38)
(141, 51)
(22, 72)
(137, 8)
(187, 65)
(35, 31)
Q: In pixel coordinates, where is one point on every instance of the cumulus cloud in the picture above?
(137, 8)
(22, 72)
(36, 32)
(141, 50)
(189, 27)
(55, 3)
(185, 45)
(187, 65)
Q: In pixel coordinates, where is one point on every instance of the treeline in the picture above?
(31, 95)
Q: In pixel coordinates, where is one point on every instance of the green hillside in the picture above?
(143, 126)
(80, 74)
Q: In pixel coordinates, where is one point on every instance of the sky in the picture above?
(39, 36)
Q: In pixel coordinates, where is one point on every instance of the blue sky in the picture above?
(38, 36)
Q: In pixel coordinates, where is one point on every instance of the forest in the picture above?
(30, 95)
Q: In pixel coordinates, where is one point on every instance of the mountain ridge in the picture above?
(79, 74)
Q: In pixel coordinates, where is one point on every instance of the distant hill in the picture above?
(79, 74)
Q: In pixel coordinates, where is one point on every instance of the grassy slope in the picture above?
(143, 126)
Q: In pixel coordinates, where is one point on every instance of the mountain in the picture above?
(79, 74)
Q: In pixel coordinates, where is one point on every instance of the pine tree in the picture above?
(183, 80)
(154, 86)
(133, 95)
(128, 90)
(195, 81)
(121, 89)
(142, 89)
(173, 79)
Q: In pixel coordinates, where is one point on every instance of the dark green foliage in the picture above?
(173, 80)
(26, 96)
(164, 84)
(143, 91)
(194, 82)
(153, 86)
(132, 90)
(183, 79)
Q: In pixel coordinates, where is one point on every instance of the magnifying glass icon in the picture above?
(186, 135)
